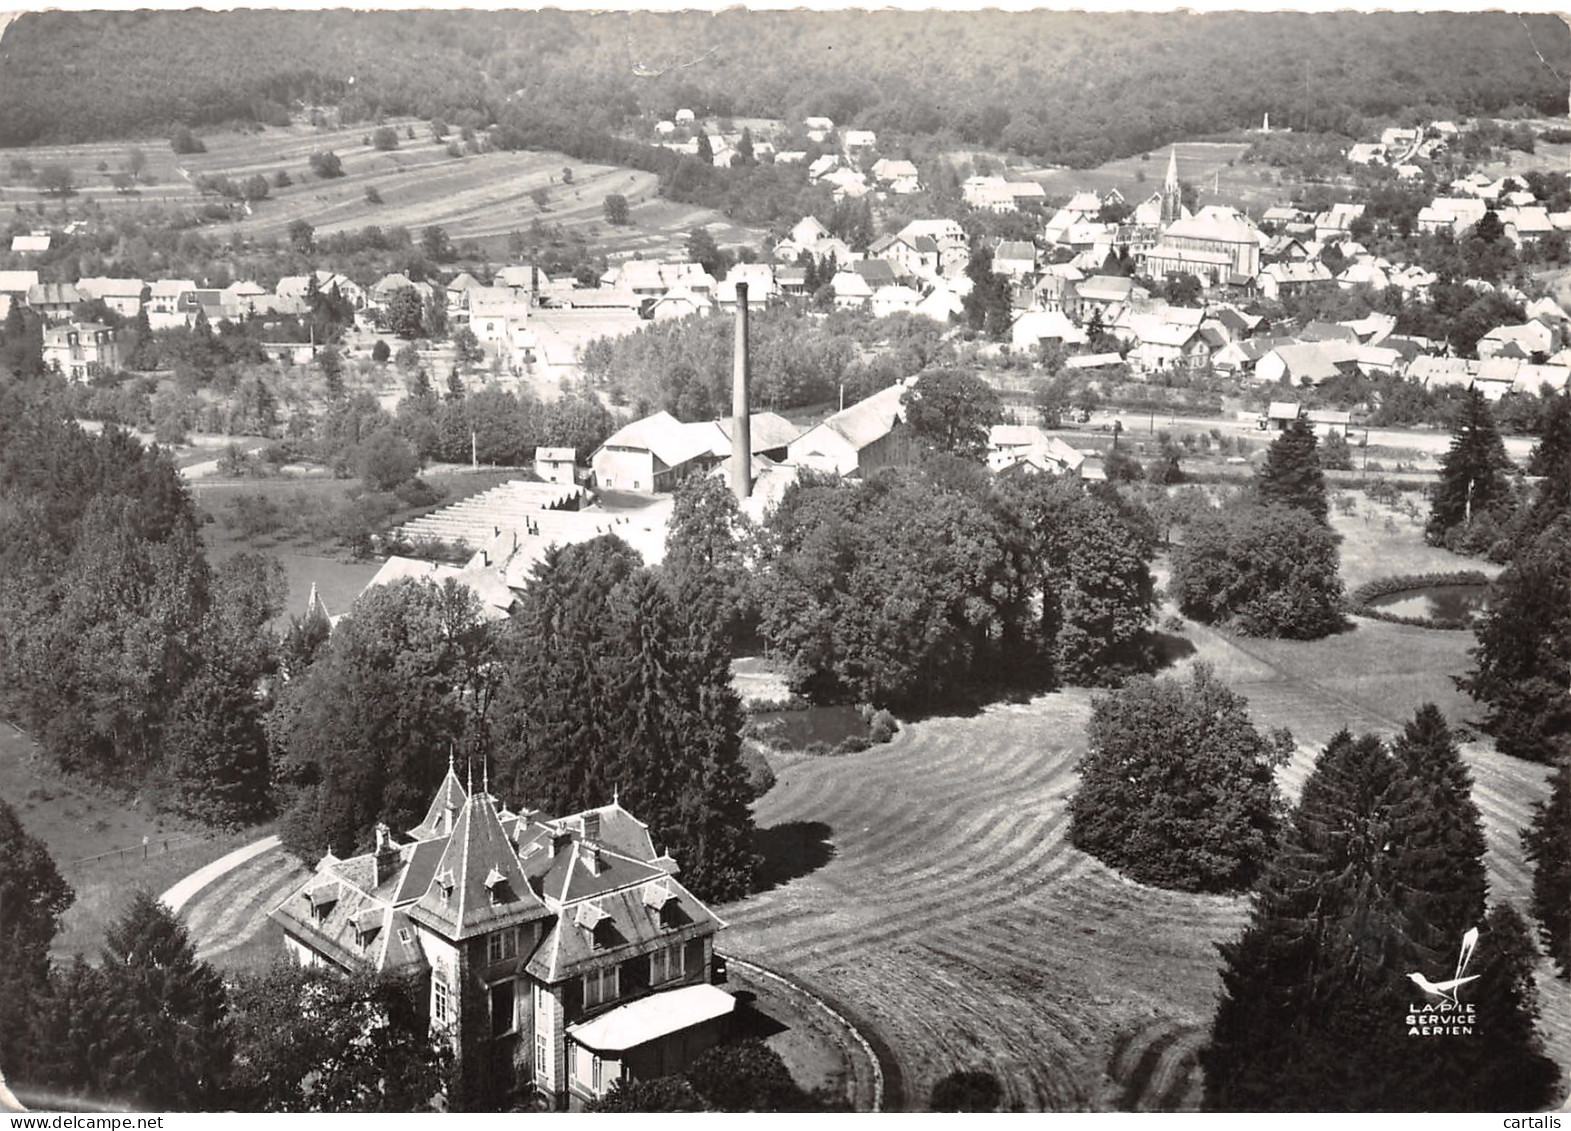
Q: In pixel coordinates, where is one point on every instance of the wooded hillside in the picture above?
(1070, 88)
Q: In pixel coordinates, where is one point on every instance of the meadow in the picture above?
(1216, 168)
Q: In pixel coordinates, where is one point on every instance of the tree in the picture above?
(1524, 651)
(1088, 555)
(326, 165)
(404, 311)
(1291, 473)
(183, 141)
(282, 179)
(32, 898)
(433, 318)
(987, 306)
(384, 138)
(466, 348)
(135, 162)
(56, 178)
(1472, 474)
(168, 1046)
(1551, 460)
(744, 148)
(332, 363)
(1266, 571)
(302, 236)
(706, 561)
(373, 195)
(1177, 786)
(255, 188)
(381, 351)
(1317, 1010)
(950, 411)
(1547, 842)
(966, 1089)
(701, 249)
(314, 1040)
(747, 1076)
(1335, 453)
(616, 209)
(605, 681)
(386, 460)
(1442, 859)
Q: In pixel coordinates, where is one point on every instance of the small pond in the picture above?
(816, 724)
(1455, 603)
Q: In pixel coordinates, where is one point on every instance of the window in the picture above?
(502, 945)
(540, 1054)
(441, 1002)
(597, 1074)
(503, 1007)
(667, 964)
(600, 986)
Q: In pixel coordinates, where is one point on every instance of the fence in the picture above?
(150, 847)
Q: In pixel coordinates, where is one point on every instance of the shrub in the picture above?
(882, 727)
(381, 351)
(853, 744)
(417, 492)
(818, 749)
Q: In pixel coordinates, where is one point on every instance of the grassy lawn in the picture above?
(1200, 163)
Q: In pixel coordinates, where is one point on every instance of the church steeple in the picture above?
(1172, 194)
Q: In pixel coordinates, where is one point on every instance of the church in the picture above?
(1219, 245)
(557, 955)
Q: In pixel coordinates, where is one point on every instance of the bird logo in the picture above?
(1448, 989)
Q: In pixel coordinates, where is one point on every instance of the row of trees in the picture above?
(599, 684)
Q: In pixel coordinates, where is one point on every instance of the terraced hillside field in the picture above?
(474, 197)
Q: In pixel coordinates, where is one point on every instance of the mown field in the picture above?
(480, 197)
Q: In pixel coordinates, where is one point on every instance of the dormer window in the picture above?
(495, 886)
(368, 924)
(322, 897)
(446, 882)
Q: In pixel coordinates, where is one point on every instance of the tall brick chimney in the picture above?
(741, 425)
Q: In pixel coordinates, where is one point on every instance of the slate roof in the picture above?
(479, 884)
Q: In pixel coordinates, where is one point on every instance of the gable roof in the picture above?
(662, 434)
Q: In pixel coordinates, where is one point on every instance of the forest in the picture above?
(1064, 88)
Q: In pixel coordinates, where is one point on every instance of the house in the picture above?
(1278, 280)
(1337, 221)
(818, 122)
(684, 117)
(1526, 225)
(941, 304)
(1367, 153)
(1306, 363)
(847, 183)
(457, 290)
(953, 246)
(823, 166)
(555, 465)
(1330, 422)
(169, 303)
(914, 257)
(1015, 258)
(679, 302)
(35, 244)
(760, 280)
(858, 141)
(16, 284)
(1279, 415)
(80, 351)
(1163, 345)
(383, 290)
(1451, 214)
(562, 953)
(665, 127)
(1026, 449)
(123, 296)
(55, 301)
(1034, 327)
(497, 317)
(860, 439)
(890, 300)
(887, 170)
(1529, 338)
(851, 289)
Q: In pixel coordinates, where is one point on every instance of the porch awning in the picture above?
(653, 1017)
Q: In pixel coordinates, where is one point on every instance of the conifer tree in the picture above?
(705, 561)
(1548, 845)
(1291, 474)
(1551, 461)
(167, 1046)
(1523, 652)
(33, 896)
(1441, 862)
(1472, 474)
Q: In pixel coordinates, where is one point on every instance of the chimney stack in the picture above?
(741, 425)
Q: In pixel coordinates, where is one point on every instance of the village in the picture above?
(934, 657)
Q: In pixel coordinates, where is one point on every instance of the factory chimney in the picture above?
(741, 425)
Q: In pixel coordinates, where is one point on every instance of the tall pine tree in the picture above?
(167, 1042)
(1473, 475)
(32, 898)
(1548, 845)
(1291, 475)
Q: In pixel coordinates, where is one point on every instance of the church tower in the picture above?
(1172, 195)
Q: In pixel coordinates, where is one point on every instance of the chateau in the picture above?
(558, 955)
